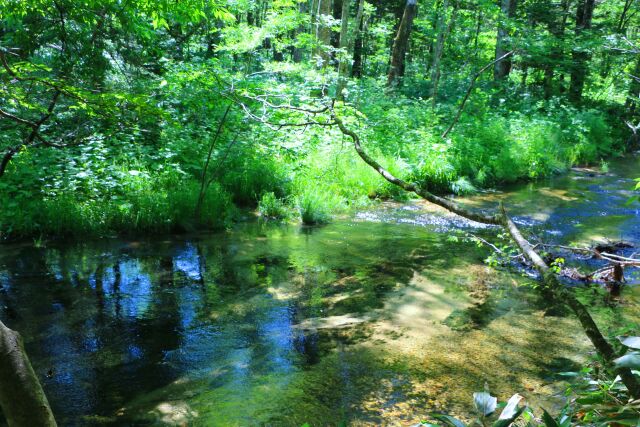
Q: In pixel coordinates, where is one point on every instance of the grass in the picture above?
(152, 209)
(314, 207)
(271, 207)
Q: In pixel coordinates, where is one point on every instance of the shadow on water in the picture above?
(375, 320)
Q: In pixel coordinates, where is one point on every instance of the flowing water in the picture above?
(377, 318)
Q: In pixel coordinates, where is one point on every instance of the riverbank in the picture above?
(117, 188)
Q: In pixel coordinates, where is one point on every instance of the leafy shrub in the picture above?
(249, 173)
(163, 205)
(272, 207)
(314, 207)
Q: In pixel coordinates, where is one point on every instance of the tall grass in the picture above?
(272, 207)
(314, 207)
(148, 208)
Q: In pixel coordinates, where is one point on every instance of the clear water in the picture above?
(376, 318)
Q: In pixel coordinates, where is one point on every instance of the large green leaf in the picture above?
(449, 420)
(548, 420)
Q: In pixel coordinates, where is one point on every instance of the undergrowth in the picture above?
(114, 186)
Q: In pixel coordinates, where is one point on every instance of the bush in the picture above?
(248, 174)
(161, 205)
(272, 207)
(314, 207)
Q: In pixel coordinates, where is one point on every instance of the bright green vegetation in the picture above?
(143, 118)
(235, 327)
(149, 99)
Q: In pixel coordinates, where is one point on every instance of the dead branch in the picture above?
(552, 288)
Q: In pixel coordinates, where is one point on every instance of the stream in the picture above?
(377, 318)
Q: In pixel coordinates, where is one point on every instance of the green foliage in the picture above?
(272, 207)
(594, 399)
(149, 97)
(485, 406)
(165, 205)
(314, 207)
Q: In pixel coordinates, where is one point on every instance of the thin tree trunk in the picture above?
(468, 93)
(343, 67)
(22, 399)
(439, 48)
(502, 68)
(477, 33)
(204, 182)
(633, 98)
(296, 52)
(556, 28)
(356, 68)
(323, 31)
(400, 44)
(584, 14)
(622, 21)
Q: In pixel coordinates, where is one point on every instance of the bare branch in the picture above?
(17, 119)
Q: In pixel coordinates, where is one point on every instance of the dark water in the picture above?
(283, 324)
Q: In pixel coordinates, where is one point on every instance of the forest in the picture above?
(320, 212)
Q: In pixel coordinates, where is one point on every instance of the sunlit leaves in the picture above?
(485, 403)
(629, 360)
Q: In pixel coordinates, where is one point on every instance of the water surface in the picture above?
(376, 318)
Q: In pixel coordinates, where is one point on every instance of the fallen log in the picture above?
(22, 399)
(551, 287)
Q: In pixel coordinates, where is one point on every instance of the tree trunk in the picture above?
(584, 14)
(400, 44)
(356, 68)
(439, 48)
(556, 28)
(502, 69)
(22, 399)
(323, 31)
(477, 33)
(343, 67)
(623, 20)
(296, 52)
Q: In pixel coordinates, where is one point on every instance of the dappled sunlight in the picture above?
(175, 413)
(376, 320)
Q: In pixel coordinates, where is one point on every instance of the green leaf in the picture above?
(485, 403)
(448, 420)
(510, 412)
(548, 420)
(631, 342)
(629, 360)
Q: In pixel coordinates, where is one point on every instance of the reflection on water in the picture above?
(371, 320)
